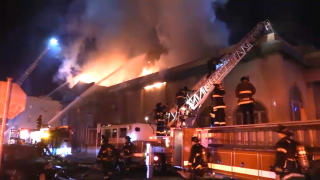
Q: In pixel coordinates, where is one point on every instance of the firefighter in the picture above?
(107, 156)
(197, 161)
(287, 165)
(180, 98)
(159, 116)
(244, 92)
(39, 122)
(159, 111)
(128, 150)
(219, 105)
(211, 67)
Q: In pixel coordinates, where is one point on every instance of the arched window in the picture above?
(204, 118)
(260, 114)
(295, 104)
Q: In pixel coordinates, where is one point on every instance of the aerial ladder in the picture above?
(31, 67)
(205, 86)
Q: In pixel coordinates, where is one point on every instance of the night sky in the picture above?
(24, 34)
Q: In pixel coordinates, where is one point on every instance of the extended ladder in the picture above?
(31, 67)
(205, 86)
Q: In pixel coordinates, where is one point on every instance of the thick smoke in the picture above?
(133, 33)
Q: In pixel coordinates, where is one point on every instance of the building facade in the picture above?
(286, 78)
(35, 106)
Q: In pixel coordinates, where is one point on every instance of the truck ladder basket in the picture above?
(229, 61)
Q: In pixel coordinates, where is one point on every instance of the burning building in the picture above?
(287, 80)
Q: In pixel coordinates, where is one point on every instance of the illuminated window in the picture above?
(295, 103)
(123, 132)
(114, 133)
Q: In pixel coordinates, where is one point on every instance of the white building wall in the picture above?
(36, 106)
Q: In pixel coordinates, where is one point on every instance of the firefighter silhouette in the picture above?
(290, 156)
(128, 150)
(108, 157)
(198, 161)
(159, 116)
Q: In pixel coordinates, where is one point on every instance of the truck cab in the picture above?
(141, 134)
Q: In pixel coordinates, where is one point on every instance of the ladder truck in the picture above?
(189, 111)
(24, 76)
(31, 67)
(52, 42)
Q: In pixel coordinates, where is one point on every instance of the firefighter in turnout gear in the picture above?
(181, 97)
(159, 111)
(128, 150)
(159, 116)
(244, 92)
(197, 160)
(108, 157)
(288, 164)
(218, 105)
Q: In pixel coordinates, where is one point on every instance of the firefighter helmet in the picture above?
(284, 130)
(128, 138)
(245, 78)
(195, 139)
(217, 83)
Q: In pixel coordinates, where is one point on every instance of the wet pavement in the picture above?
(139, 177)
(94, 173)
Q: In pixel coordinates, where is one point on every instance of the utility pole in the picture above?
(5, 115)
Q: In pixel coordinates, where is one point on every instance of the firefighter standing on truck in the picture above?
(181, 97)
(107, 156)
(197, 161)
(244, 92)
(287, 165)
(218, 105)
(128, 150)
(159, 116)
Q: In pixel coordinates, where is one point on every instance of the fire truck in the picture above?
(141, 134)
(63, 134)
(28, 136)
(241, 151)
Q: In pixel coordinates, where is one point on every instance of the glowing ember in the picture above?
(146, 71)
(157, 85)
(149, 70)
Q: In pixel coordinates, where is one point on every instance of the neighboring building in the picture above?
(287, 80)
(36, 106)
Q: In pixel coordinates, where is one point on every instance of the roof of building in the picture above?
(266, 44)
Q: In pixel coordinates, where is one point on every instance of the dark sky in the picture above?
(23, 37)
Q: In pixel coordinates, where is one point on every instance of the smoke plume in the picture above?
(143, 36)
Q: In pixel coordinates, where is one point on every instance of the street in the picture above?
(96, 174)
(91, 170)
